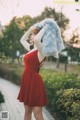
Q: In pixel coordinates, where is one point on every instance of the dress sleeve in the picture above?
(24, 39)
(38, 38)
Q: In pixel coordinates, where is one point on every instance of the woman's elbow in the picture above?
(21, 41)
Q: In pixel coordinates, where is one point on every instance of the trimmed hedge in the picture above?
(63, 91)
(68, 104)
(12, 73)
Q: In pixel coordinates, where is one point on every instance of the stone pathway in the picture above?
(12, 105)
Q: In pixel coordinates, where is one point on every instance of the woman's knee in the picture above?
(28, 110)
(38, 113)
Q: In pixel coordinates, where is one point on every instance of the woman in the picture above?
(32, 92)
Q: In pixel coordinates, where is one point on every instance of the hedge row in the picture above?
(63, 91)
(12, 73)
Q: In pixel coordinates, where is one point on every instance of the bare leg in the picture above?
(28, 112)
(38, 113)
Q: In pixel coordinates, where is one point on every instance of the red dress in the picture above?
(32, 91)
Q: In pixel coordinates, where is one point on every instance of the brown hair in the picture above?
(35, 31)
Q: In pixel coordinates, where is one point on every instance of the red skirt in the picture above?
(32, 91)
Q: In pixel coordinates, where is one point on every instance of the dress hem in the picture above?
(39, 105)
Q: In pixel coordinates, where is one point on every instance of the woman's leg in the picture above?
(38, 113)
(28, 112)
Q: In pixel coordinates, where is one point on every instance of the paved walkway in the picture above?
(12, 105)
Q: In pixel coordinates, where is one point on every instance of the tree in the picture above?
(59, 17)
(74, 52)
(10, 40)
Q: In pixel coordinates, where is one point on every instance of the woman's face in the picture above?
(34, 33)
(32, 38)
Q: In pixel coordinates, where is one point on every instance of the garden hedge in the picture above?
(63, 91)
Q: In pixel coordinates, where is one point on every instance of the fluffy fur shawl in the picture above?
(52, 40)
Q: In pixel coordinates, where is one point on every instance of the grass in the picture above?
(71, 68)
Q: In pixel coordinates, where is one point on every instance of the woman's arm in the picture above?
(24, 39)
(38, 43)
(38, 38)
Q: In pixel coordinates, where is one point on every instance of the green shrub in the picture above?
(68, 104)
(1, 98)
(11, 73)
(63, 91)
